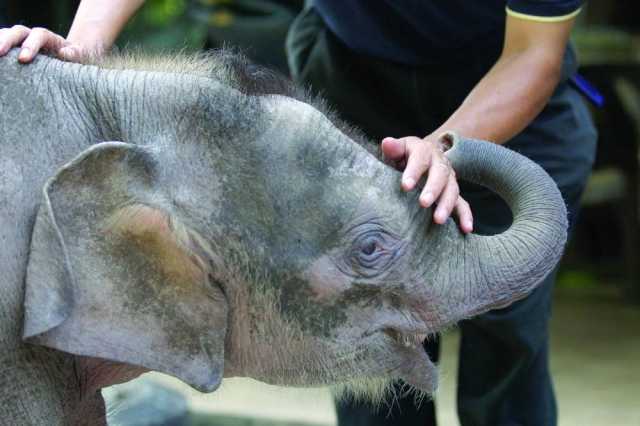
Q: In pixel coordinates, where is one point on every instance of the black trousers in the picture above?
(504, 376)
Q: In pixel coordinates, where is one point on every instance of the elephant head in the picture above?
(262, 241)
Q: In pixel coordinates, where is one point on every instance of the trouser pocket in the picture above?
(302, 43)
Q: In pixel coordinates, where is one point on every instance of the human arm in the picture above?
(518, 86)
(501, 105)
(94, 30)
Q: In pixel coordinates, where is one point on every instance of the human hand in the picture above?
(33, 40)
(417, 156)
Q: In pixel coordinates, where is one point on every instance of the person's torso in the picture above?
(418, 32)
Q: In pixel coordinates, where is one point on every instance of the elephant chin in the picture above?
(417, 370)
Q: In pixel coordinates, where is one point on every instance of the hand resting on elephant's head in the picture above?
(239, 229)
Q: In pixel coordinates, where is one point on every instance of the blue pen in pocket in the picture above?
(587, 89)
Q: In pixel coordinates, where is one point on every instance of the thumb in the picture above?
(70, 54)
(394, 149)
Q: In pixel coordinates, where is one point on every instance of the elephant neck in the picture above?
(50, 388)
(44, 390)
(88, 411)
(82, 402)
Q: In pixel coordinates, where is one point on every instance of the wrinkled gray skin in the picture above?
(226, 235)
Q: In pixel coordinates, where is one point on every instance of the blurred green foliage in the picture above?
(257, 27)
(163, 25)
(161, 12)
(573, 278)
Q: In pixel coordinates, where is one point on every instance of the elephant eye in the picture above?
(369, 247)
(372, 252)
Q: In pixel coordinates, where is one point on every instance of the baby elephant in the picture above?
(199, 217)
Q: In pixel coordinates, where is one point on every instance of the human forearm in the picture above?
(518, 86)
(98, 22)
(507, 98)
(95, 28)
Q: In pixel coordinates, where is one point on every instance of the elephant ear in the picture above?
(113, 274)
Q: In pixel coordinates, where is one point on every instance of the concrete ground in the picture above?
(595, 364)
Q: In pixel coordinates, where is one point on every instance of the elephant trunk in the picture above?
(493, 271)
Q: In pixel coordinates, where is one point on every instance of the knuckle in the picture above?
(417, 142)
(442, 147)
(448, 201)
(419, 162)
(436, 147)
(423, 163)
(408, 148)
(453, 183)
(20, 28)
(427, 146)
(412, 146)
(443, 166)
(28, 42)
(38, 32)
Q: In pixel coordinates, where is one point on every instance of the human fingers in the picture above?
(394, 152)
(465, 216)
(418, 155)
(439, 174)
(447, 200)
(71, 53)
(394, 149)
(38, 39)
(11, 37)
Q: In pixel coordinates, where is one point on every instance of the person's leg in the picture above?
(504, 376)
(503, 372)
(378, 98)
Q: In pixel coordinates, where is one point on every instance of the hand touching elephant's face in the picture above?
(350, 275)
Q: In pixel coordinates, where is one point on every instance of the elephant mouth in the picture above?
(406, 338)
(414, 366)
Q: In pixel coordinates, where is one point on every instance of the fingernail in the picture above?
(24, 53)
(427, 199)
(408, 183)
(66, 53)
(469, 225)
